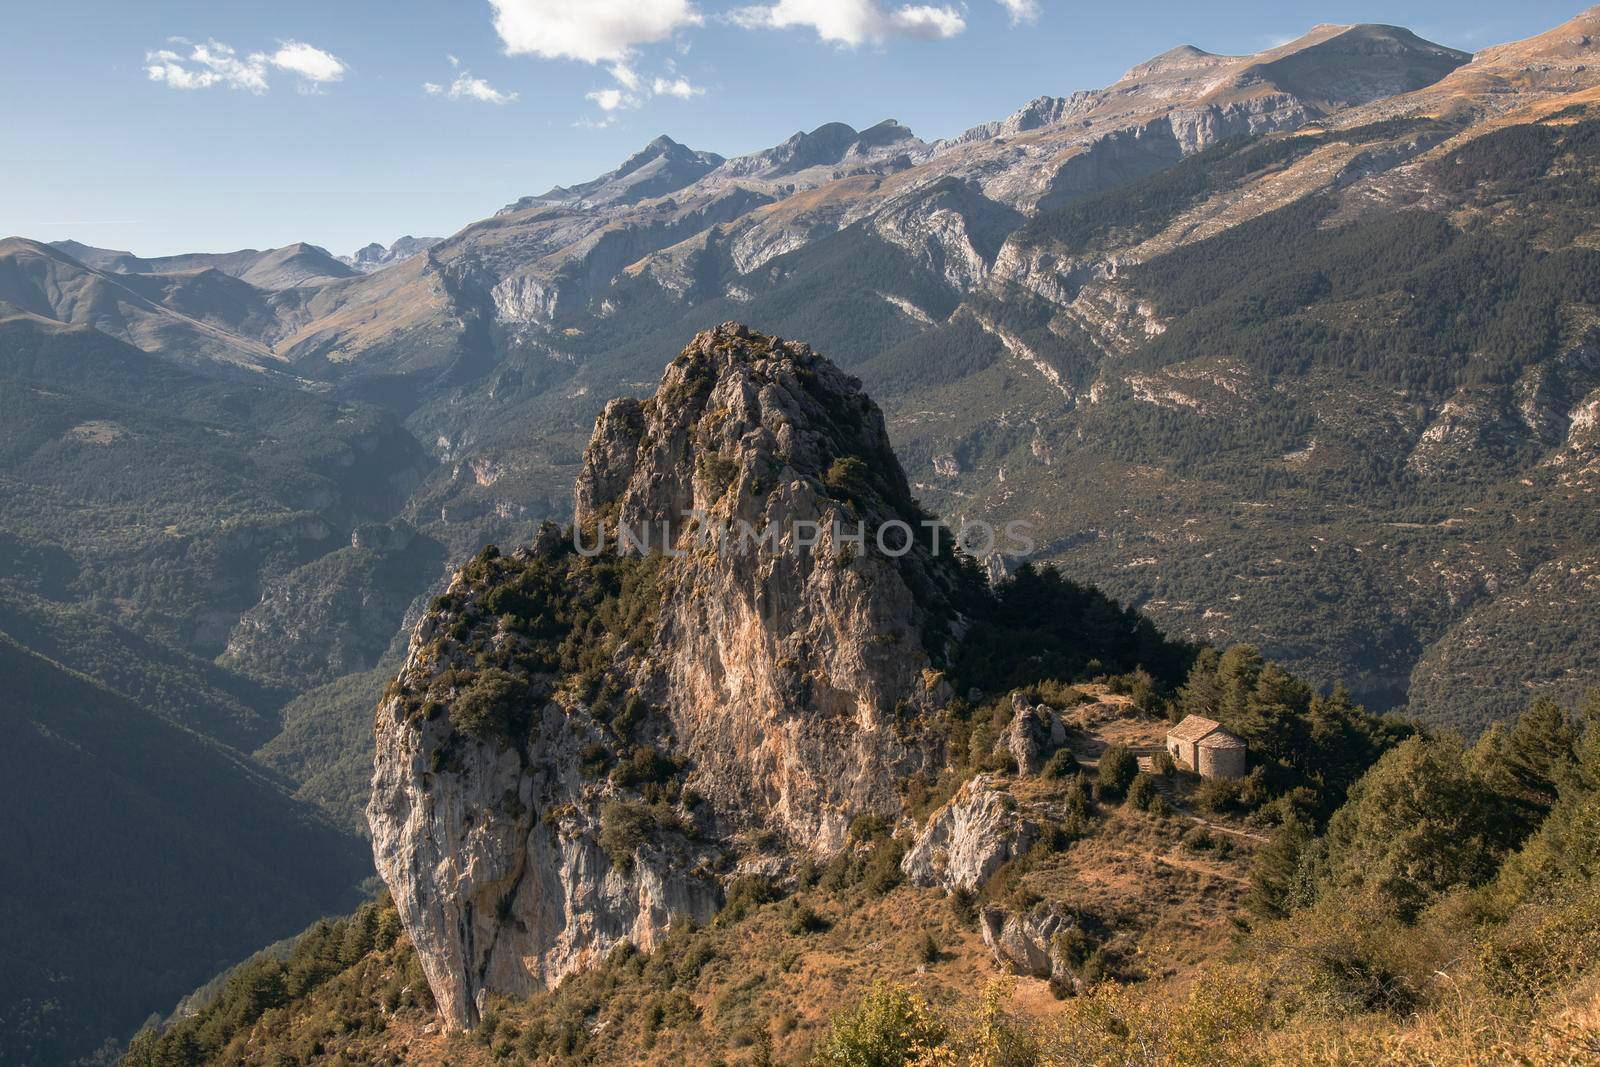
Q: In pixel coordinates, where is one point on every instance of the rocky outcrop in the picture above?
(790, 667)
(772, 677)
(494, 860)
(972, 836)
(1029, 943)
(1035, 731)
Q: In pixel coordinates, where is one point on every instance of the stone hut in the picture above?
(1203, 746)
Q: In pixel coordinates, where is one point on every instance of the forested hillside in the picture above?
(1353, 437)
(131, 831)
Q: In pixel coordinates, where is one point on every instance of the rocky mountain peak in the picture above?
(829, 145)
(660, 148)
(1185, 58)
(661, 167)
(376, 256)
(748, 408)
(1329, 66)
(763, 681)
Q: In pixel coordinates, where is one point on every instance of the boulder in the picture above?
(969, 838)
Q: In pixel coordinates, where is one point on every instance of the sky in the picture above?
(166, 126)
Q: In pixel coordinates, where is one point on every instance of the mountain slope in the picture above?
(1311, 459)
(167, 858)
(299, 264)
(178, 493)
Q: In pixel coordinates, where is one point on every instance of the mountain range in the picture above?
(1297, 348)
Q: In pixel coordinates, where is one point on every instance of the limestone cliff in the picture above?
(579, 740)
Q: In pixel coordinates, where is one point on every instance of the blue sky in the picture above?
(162, 126)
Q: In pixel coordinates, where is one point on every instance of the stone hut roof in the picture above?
(1207, 733)
(1193, 728)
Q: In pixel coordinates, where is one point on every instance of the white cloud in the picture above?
(593, 31)
(214, 63)
(626, 76)
(1021, 10)
(612, 99)
(632, 90)
(308, 61)
(853, 22)
(466, 87)
(678, 87)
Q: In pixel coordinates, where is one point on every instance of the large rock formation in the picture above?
(738, 657)
(975, 833)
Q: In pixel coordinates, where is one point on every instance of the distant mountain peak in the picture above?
(661, 167)
(375, 256)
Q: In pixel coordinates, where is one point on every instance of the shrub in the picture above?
(592, 759)
(890, 1027)
(928, 950)
(964, 906)
(493, 707)
(882, 870)
(745, 895)
(1217, 795)
(624, 828)
(806, 920)
(1118, 768)
(847, 477)
(868, 827)
(644, 765)
(1142, 792)
(1061, 764)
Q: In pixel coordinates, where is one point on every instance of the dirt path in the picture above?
(1201, 869)
(1221, 829)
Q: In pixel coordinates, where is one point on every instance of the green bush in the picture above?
(890, 1027)
(1118, 768)
(806, 920)
(1142, 792)
(494, 706)
(1061, 764)
(624, 829)
(745, 895)
(1217, 795)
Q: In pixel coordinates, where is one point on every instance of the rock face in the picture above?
(495, 863)
(967, 840)
(770, 681)
(1026, 942)
(762, 645)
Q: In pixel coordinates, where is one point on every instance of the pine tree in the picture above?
(1280, 881)
(1237, 672)
(1416, 825)
(1202, 693)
